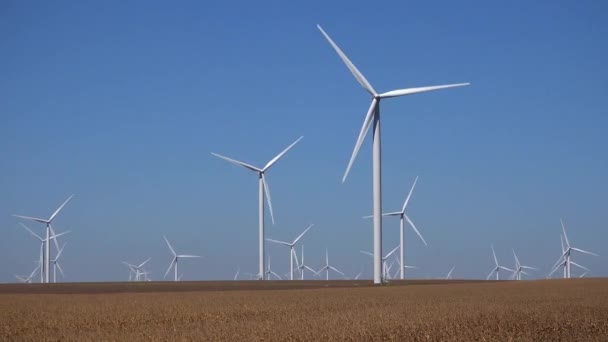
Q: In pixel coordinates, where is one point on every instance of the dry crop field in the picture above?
(544, 310)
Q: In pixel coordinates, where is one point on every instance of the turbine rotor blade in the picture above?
(280, 155)
(188, 256)
(60, 269)
(267, 193)
(31, 232)
(168, 244)
(170, 265)
(583, 251)
(410, 91)
(366, 124)
(416, 230)
(494, 254)
(353, 69)
(143, 263)
(564, 231)
(279, 242)
(579, 266)
(409, 195)
(32, 218)
(240, 163)
(335, 270)
(59, 209)
(300, 236)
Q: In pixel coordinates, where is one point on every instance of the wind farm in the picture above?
(140, 230)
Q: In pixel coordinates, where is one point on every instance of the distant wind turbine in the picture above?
(519, 268)
(327, 267)
(565, 258)
(291, 246)
(402, 215)
(497, 267)
(303, 266)
(175, 259)
(263, 191)
(373, 116)
(49, 232)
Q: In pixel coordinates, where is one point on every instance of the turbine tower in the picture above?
(263, 191)
(373, 116)
(175, 259)
(49, 232)
(292, 252)
(402, 215)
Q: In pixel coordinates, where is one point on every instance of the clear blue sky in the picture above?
(122, 103)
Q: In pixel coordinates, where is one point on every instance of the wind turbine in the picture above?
(56, 264)
(302, 266)
(138, 268)
(175, 259)
(291, 246)
(263, 191)
(131, 270)
(402, 215)
(498, 267)
(563, 262)
(566, 256)
(49, 230)
(449, 276)
(383, 259)
(28, 279)
(519, 269)
(373, 115)
(327, 267)
(270, 272)
(43, 242)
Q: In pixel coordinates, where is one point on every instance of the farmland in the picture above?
(544, 310)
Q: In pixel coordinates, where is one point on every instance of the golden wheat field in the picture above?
(544, 310)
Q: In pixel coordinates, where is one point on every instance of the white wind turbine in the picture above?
(291, 245)
(138, 269)
(28, 279)
(328, 267)
(497, 268)
(175, 259)
(519, 268)
(56, 264)
(384, 266)
(270, 272)
(131, 270)
(402, 215)
(43, 243)
(302, 266)
(49, 232)
(263, 191)
(373, 115)
(565, 258)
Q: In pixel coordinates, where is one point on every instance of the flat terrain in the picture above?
(544, 310)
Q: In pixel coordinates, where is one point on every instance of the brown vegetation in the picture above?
(547, 310)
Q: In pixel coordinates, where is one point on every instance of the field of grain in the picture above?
(546, 310)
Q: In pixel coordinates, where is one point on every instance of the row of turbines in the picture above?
(372, 118)
(138, 273)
